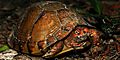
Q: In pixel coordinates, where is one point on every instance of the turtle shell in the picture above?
(42, 26)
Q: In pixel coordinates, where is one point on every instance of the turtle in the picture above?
(50, 28)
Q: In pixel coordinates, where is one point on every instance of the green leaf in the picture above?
(4, 47)
(97, 6)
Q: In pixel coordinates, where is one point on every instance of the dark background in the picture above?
(12, 10)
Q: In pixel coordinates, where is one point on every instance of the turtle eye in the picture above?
(77, 32)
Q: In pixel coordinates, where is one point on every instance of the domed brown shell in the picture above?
(44, 24)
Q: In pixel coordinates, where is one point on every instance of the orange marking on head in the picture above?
(86, 29)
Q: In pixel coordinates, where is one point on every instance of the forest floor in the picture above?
(11, 12)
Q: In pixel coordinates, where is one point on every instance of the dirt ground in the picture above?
(10, 17)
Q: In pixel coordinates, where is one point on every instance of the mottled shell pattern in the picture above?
(49, 29)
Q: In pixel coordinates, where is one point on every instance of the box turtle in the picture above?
(49, 29)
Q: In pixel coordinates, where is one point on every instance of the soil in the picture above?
(10, 17)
